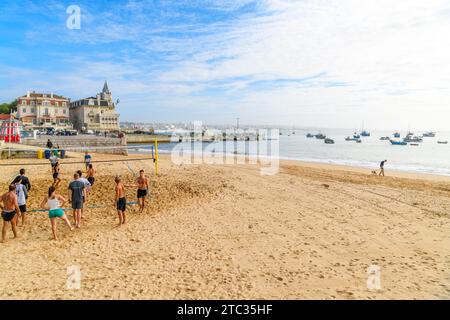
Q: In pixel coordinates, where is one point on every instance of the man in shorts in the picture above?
(121, 201)
(22, 195)
(87, 159)
(77, 192)
(142, 191)
(10, 211)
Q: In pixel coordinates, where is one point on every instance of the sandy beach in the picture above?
(226, 232)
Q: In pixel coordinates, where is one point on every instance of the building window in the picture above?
(63, 104)
(24, 102)
(33, 110)
(24, 110)
(46, 112)
(64, 111)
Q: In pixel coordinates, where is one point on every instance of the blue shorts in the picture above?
(56, 213)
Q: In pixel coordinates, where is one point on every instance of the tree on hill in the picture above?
(8, 107)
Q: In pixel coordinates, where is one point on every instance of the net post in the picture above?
(156, 156)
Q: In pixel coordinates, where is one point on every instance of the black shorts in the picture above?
(77, 205)
(23, 208)
(121, 204)
(141, 193)
(8, 216)
(91, 180)
(55, 175)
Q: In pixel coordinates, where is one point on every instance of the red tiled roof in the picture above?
(4, 116)
(41, 95)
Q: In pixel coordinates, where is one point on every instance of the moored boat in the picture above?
(320, 136)
(429, 134)
(398, 143)
(329, 141)
(384, 138)
(396, 135)
(309, 135)
(442, 142)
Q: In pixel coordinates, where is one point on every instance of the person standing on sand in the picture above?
(142, 191)
(56, 171)
(120, 200)
(382, 168)
(53, 203)
(78, 193)
(53, 160)
(90, 173)
(24, 179)
(49, 144)
(22, 195)
(87, 159)
(10, 211)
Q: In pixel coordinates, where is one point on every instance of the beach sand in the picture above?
(225, 232)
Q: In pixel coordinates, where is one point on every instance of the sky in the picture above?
(280, 62)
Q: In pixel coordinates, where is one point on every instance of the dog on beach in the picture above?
(374, 172)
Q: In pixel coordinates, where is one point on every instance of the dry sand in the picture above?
(225, 232)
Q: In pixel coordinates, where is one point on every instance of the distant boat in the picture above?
(320, 136)
(350, 139)
(396, 135)
(398, 143)
(429, 134)
(409, 138)
(413, 144)
(384, 138)
(310, 135)
(364, 133)
(329, 141)
(358, 140)
(356, 136)
(442, 142)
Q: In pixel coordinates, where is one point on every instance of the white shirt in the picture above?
(53, 204)
(21, 194)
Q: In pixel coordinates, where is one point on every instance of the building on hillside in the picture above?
(43, 110)
(95, 113)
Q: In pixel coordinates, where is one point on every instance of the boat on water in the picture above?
(358, 140)
(309, 135)
(442, 142)
(365, 133)
(429, 134)
(356, 136)
(398, 143)
(384, 138)
(410, 138)
(414, 144)
(329, 141)
(396, 134)
(320, 136)
(350, 139)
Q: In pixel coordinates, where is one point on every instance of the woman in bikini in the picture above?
(56, 170)
(53, 203)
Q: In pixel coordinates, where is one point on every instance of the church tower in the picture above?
(106, 94)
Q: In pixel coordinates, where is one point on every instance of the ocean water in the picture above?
(427, 157)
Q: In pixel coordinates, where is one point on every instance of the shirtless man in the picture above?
(142, 191)
(120, 200)
(10, 211)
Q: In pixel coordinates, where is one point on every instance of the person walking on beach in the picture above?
(24, 179)
(382, 168)
(10, 211)
(53, 203)
(87, 159)
(78, 193)
(49, 144)
(90, 173)
(142, 191)
(121, 202)
(56, 170)
(53, 160)
(22, 195)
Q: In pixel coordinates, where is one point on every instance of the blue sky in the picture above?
(304, 63)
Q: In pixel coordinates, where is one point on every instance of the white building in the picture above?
(95, 113)
(43, 110)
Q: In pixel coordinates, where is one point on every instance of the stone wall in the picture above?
(82, 143)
